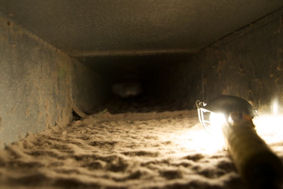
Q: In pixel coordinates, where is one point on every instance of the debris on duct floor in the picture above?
(130, 150)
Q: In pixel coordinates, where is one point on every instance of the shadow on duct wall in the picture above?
(89, 91)
(39, 84)
(248, 63)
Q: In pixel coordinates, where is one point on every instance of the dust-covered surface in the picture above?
(141, 150)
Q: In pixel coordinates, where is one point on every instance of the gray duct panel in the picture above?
(94, 27)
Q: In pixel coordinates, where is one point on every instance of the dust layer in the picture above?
(140, 150)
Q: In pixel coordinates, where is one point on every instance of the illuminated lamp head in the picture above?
(223, 109)
(256, 163)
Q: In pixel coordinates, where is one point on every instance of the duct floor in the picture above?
(129, 150)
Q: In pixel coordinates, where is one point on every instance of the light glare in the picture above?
(217, 119)
(198, 140)
(212, 141)
(270, 127)
(275, 107)
(216, 123)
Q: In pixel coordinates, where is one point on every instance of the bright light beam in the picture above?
(198, 140)
(209, 140)
(275, 107)
(217, 120)
(270, 127)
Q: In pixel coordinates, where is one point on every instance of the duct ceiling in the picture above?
(89, 28)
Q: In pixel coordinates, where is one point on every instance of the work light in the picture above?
(254, 160)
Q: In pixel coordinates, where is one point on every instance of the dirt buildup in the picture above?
(130, 150)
